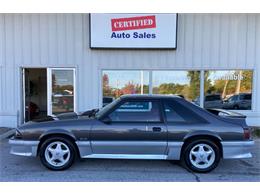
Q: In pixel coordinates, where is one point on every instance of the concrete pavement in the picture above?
(6, 132)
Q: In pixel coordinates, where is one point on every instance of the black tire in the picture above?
(65, 141)
(186, 155)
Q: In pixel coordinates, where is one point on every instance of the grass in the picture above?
(256, 132)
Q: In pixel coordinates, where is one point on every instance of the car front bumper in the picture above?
(237, 149)
(23, 147)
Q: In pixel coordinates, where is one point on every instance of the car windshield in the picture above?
(106, 108)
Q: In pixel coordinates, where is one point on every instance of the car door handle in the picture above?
(157, 129)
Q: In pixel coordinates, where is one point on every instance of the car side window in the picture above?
(233, 98)
(175, 112)
(137, 111)
(246, 97)
(171, 114)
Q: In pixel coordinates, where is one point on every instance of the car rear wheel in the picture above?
(57, 153)
(201, 156)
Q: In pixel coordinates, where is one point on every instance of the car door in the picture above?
(234, 101)
(134, 127)
(230, 102)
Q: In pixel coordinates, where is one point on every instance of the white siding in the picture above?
(204, 41)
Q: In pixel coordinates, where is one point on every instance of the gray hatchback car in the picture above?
(138, 127)
(240, 101)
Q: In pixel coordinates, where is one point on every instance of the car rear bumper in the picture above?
(237, 149)
(23, 147)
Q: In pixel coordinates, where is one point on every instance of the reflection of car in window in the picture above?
(33, 110)
(213, 101)
(240, 101)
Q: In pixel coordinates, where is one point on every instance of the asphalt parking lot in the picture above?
(16, 168)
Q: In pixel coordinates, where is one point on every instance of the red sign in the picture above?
(140, 22)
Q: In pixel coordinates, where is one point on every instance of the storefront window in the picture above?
(228, 89)
(183, 83)
(117, 83)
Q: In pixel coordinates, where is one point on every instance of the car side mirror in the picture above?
(106, 120)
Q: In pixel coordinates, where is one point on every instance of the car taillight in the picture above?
(247, 133)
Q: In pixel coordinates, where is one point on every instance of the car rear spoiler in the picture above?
(230, 116)
(226, 113)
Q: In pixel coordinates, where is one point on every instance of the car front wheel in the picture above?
(57, 153)
(201, 156)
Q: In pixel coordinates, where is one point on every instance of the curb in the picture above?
(7, 134)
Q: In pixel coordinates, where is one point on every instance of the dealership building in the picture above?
(57, 63)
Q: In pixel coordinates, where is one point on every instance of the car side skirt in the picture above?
(172, 151)
(128, 156)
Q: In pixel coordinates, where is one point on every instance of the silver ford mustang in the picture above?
(138, 127)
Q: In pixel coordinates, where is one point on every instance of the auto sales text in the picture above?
(123, 35)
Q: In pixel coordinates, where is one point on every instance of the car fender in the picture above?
(201, 133)
(174, 149)
(58, 131)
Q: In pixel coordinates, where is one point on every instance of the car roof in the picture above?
(240, 94)
(148, 96)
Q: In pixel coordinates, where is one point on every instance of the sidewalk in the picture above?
(6, 132)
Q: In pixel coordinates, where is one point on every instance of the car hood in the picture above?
(63, 116)
(71, 127)
(70, 120)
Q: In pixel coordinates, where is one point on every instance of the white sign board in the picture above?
(133, 31)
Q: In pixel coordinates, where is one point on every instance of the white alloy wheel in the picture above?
(57, 154)
(202, 156)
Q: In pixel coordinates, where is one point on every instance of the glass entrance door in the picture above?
(61, 90)
(34, 93)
